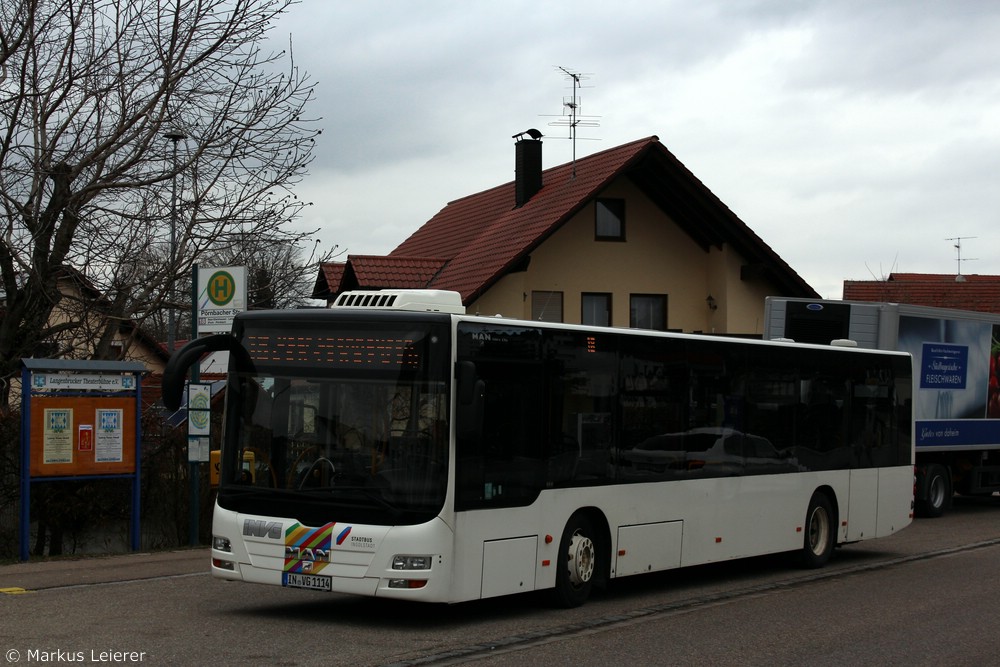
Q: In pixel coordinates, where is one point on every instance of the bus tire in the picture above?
(820, 533)
(936, 492)
(577, 562)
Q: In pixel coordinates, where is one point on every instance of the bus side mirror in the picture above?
(175, 373)
(471, 398)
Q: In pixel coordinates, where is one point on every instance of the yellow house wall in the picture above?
(657, 257)
(741, 302)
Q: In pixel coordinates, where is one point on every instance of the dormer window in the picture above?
(609, 220)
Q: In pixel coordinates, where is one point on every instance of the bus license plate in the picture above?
(315, 582)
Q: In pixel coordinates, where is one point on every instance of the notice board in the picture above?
(79, 435)
(79, 419)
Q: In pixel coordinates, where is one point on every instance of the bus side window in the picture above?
(504, 464)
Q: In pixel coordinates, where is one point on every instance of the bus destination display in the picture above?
(368, 350)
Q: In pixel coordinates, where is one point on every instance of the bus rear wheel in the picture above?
(577, 562)
(820, 533)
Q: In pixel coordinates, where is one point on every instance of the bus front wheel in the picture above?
(577, 562)
(820, 533)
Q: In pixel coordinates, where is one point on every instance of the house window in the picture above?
(648, 311)
(609, 220)
(595, 309)
(547, 306)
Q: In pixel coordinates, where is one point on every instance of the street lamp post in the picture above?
(194, 473)
(174, 136)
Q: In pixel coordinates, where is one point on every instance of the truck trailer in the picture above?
(956, 400)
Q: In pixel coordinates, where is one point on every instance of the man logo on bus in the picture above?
(221, 288)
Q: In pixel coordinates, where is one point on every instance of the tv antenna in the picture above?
(958, 249)
(572, 105)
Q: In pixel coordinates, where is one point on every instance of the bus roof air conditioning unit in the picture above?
(420, 300)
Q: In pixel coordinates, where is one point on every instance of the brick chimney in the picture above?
(527, 166)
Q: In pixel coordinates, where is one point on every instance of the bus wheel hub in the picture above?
(581, 559)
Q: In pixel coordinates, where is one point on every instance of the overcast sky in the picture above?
(855, 137)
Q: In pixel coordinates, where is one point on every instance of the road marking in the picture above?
(14, 590)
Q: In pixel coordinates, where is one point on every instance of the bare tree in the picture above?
(278, 276)
(118, 113)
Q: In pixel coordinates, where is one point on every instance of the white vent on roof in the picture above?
(421, 300)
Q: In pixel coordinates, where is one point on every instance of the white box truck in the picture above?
(956, 400)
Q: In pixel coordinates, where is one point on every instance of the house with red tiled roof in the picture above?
(962, 292)
(625, 237)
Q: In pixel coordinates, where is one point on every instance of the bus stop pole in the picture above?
(194, 469)
(136, 528)
(25, 528)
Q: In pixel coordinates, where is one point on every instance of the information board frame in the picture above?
(80, 420)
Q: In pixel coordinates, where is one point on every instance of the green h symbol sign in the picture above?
(221, 288)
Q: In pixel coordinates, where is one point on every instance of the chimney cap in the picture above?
(533, 133)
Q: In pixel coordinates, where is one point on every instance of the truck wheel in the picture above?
(820, 533)
(936, 491)
(577, 562)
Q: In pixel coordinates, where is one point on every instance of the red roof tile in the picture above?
(484, 235)
(376, 271)
(474, 241)
(974, 292)
(328, 281)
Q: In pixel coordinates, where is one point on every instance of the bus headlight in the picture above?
(411, 562)
(222, 544)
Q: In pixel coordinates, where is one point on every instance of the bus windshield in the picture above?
(344, 426)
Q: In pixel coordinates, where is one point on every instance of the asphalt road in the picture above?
(924, 596)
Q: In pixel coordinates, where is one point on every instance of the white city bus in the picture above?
(392, 446)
